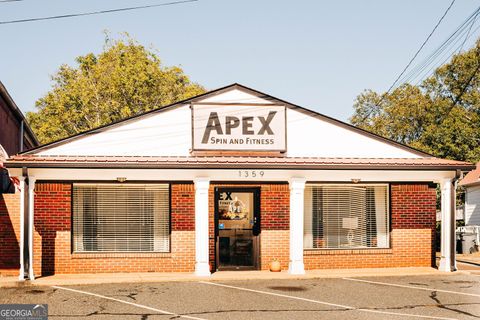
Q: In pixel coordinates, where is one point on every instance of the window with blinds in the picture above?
(121, 218)
(346, 216)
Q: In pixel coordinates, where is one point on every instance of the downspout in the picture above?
(31, 224)
(453, 244)
(22, 129)
(23, 224)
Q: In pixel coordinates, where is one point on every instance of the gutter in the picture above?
(453, 243)
(22, 129)
(265, 166)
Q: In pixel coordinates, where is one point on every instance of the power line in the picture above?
(468, 33)
(469, 81)
(95, 12)
(421, 47)
(457, 49)
(445, 47)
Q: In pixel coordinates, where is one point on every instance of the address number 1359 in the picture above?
(250, 174)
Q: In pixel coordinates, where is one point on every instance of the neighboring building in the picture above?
(471, 182)
(230, 179)
(15, 134)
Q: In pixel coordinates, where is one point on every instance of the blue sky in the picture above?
(318, 54)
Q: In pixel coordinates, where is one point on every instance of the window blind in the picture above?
(121, 218)
(346, 216)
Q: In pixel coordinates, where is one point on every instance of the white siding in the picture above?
(472, 206)
(234, 96)
(168, 133)
(311, 137)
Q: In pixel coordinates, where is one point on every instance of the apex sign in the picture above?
(239, 127)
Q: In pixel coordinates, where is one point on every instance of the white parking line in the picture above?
(412, 287)
(326, 303)
(129, 303)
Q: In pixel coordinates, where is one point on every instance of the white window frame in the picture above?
(77, 244)
(308, 237)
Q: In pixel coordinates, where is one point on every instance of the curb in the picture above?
(475, 263)
(136, 278)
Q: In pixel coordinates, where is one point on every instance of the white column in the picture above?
(31, 224)
(381, 217)
(297, 189)
(202, 267)
(447, 260)
(21, 239)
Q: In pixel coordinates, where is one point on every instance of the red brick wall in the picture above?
(412, 221)
(275, 225)
(413, 209)
(413, 206)
(52, 217)
(10, 129)
(183, 207)
(52, 239)
(275, 207)
(9, 234)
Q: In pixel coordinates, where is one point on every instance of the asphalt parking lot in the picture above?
(423, 297)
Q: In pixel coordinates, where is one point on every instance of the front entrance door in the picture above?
(237, 227)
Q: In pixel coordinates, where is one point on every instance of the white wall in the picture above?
(311, 137)
(472, 206)
(234, 96)
(168, 133)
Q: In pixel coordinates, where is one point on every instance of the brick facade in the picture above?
(413, 212)
(412, 223)
(52, 239)
(275, 220)
(9, 234)
(10, 126)
(182, 202)
(413, 206)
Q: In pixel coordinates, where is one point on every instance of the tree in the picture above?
(441, 116)
(124, 80)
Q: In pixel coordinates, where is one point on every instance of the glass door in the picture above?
(237, 228)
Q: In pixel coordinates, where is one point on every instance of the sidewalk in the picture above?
(469, 258)
(103, 278)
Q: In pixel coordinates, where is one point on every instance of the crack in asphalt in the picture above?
(153, 292)
(406, 307)
(179, 315)
(418, 284)
(433, 296)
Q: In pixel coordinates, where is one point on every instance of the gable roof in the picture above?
(423, 161)
(220, 91)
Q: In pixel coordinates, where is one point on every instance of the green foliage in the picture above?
(441, 116)
(124, 80)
